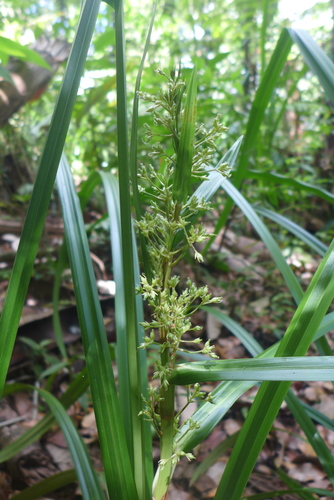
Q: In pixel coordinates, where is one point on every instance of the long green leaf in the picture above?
(214, 455)
(295, 229)
(207, 189)
(184, 159)
(118, 470)
(131, 342)
(43, 187)
(301, 412)
(228, 392)
(137, 449)
(75, 390)
(273, 177)
(298, 490)
(208, 415)
(292, 483)
(316, 59)
(10, 48)
(134, 147)
(322, 451)
(47, 485)
(296, 341)
(259, 106)
(294, 368)
(86, 189)
(319, 417)
(267, 238)
(110, 184)
(321, 66)
(87, 477)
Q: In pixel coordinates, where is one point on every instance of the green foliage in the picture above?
(187, 169)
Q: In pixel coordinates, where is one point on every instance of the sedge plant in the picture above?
(167, 209)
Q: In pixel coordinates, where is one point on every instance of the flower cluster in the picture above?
(170, 230)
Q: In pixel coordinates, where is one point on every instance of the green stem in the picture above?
(165, 469)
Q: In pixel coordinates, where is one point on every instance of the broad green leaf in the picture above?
(295, 342)
(184, 157)
(295, 368)
(10, 48)
(43, 187)
(118, 470)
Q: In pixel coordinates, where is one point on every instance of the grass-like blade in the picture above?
(87, 477)
(116, 461)
(110, 184)
(288, 368)
(267, 238)
(292, 483)
(9, 48)
(302, 412)
(75, 390)
(319, 417)
(208, 415)
(213, 456)
(111, 191)
(207, 189)
(316, 59)
(295, 342)
(275, 178)
(56, 321)
(295, 229)
(134, 371)
(40, 198)
(47, 485)
(304, 493)
(134, 146)
(184, 158)
(256, 116)
(322, 451)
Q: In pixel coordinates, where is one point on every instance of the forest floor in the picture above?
(241, 271)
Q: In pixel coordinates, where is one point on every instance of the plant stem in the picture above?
(165, 469)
